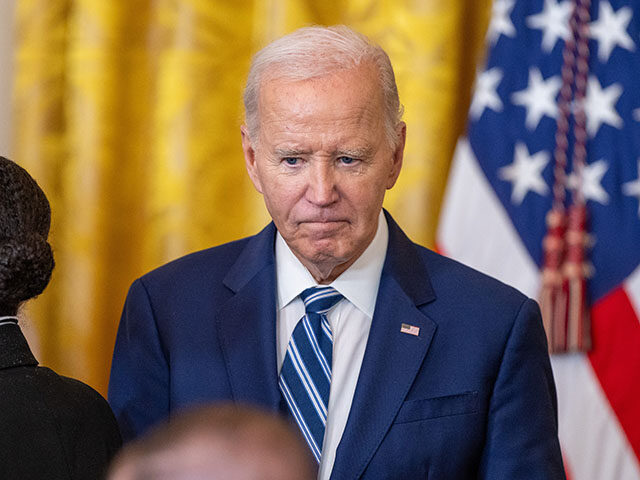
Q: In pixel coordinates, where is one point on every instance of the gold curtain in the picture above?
(127, 112)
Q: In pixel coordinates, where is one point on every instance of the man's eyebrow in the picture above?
(355, 152)
(290, 152)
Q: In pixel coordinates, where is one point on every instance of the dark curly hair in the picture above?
(26, 259)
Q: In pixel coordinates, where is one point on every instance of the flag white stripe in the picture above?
(632, 287)
(593, 442)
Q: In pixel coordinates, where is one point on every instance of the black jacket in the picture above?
(51, 427)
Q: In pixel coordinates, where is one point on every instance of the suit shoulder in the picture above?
(211, 261)
(470, 301)
(450, 277)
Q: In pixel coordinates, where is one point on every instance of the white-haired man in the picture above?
(393, 361)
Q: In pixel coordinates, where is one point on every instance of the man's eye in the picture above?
(291, 160)
(346, 160)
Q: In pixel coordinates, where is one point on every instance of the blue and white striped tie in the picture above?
(305, 377)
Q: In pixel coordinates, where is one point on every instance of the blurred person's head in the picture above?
(217, 443)
(26, 259)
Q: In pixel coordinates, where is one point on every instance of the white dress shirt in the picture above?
(350, 322)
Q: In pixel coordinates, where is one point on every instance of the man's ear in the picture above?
(250, 158)
(398, 155)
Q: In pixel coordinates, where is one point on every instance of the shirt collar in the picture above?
(359, 283)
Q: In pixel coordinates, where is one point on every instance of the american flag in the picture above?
(501, 188)
(410, 329)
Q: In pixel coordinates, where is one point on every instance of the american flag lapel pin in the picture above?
(410, 329)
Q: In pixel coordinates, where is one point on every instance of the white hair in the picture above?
(312, 52)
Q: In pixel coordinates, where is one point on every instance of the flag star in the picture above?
(632, 189)
(636, 114)
(611, 29)
(599, 105)
(501, 23)
(525, 173)
(539, 98)
(553, 21)
(486, 95)
(591, 182)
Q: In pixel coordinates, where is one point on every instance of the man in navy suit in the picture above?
(436, 370)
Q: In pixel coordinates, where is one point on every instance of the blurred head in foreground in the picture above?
(26, 259)
(217, 443)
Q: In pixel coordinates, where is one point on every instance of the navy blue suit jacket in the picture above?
(471, 397)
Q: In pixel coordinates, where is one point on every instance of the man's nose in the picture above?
(322, 188)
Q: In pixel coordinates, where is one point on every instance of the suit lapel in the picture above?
(392, 358)
(247, 324)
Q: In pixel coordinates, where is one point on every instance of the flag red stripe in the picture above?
(616, 360)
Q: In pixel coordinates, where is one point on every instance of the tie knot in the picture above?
(320, 299)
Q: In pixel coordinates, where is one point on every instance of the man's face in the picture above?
(323, 163)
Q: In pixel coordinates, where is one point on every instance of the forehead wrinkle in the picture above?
(289, 120)
(304, 116)
(287, 128)
(282, 95)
